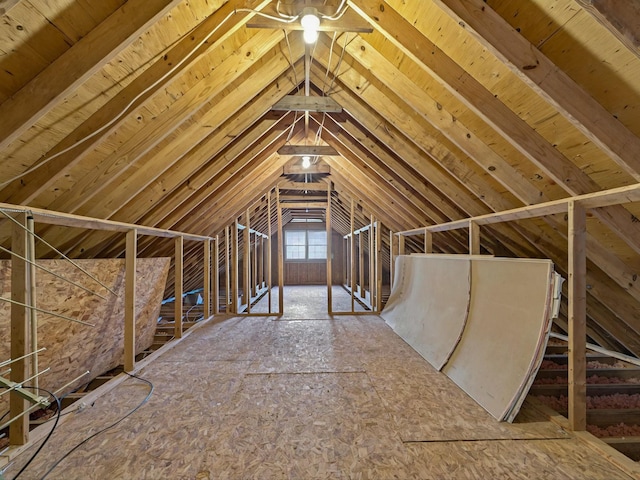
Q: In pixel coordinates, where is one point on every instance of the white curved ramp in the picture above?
(430, 300)
(482, 321)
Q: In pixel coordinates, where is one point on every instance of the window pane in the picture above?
(295, 252)
(317, 251)
(294, 237)
(317, 237)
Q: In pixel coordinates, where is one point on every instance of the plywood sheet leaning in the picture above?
(72, 348)
(506, 333)
(484, 322)
(430, 300)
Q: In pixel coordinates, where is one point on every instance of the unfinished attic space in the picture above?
(319, 239)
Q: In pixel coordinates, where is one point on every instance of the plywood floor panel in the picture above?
(214, 415)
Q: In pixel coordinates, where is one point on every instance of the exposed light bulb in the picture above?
(306, 162)
(310, 23)
(310, 36)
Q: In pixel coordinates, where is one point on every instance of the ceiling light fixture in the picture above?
(306, 161)
(310, 22)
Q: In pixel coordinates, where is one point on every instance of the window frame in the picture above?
(306, 258)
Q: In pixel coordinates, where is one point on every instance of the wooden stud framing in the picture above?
(474, 238)
(269, 266)
(227, 279)
(361, 263)
(130, 301)
(234, 266)
(329, 252)
(428, 242)
(32, 312)
(352, 256)
(392, 244)
(246, 263)
(401, 245)
(378, 242)
(215, 268)
(206, 289)
(280, 256)
(577, 317)
(19, 430)
(372, 271)
(255, 277)
(178, 285)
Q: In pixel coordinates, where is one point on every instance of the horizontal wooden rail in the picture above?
(604, 198)
(78, 221)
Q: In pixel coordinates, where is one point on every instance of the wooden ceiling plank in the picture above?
(550, 82)
(313, 103)
(622, 19)
(26, 189)
(531, 144)
(393, 116)
(7, 5)
(308, 150)
(362, 160)
(443, 121)
(76, 65)
(318, 168)
(160, 170)
(207, 182)
(138, 146)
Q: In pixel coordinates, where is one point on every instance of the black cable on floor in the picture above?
(146, 399)
(57, 400)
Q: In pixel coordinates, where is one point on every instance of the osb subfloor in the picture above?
(308, 398)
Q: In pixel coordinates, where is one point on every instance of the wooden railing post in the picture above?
(207, 278)
(215, 267)
(577, 289)
(130, 300)
(178, 285)
(474, 238)
(280, 256)
(428, 241)
(329, 252)
(20, 292)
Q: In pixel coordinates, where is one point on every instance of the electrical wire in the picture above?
(145, 400)
(46, 440)
(144, 92)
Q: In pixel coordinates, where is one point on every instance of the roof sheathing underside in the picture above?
(439, 123)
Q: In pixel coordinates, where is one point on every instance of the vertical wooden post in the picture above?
(247, 262)
(378, 266)
(255, 279)
(577, 317)
(401, 245)
(260, 257)
(227, 270)
(361, 263)
(280, 256)
(130, 300)
(269, 266)
(179, 285)
(20, 292)
(33, 314)
(372, 273)
(352, 259)
(392, 262)
(428, 241)
(215, 267)
(206, 289)
(236, 269)
(329, 252)
(345, 269)
(474, 238)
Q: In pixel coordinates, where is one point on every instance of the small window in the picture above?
(305, 244)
